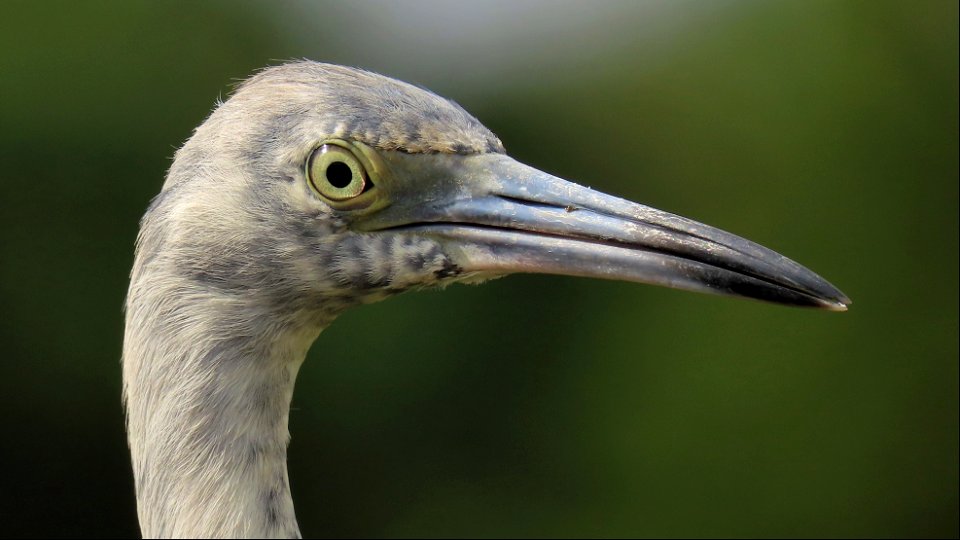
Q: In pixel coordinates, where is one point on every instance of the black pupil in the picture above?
(339, 174)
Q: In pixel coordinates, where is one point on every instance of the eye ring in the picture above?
(336, 174)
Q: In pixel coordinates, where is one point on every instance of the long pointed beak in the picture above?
(495, 215)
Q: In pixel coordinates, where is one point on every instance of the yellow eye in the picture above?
(336, 174)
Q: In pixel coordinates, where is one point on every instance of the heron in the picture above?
(315, 188)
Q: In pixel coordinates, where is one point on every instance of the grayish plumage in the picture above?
(244, 257)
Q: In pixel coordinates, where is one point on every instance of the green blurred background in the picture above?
(533, 405)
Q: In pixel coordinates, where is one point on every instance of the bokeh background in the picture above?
(533, 405)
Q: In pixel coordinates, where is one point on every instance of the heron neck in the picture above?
(208, 398)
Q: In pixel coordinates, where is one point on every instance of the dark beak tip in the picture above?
(836, 301)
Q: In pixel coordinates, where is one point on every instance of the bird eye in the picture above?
(336, 173)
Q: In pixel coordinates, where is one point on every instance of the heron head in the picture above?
(318, 187)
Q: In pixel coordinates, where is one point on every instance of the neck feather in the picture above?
(207, 385)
